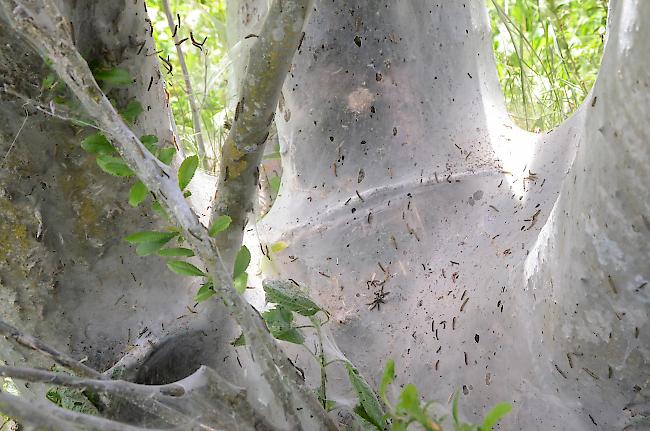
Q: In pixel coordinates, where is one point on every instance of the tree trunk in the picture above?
(66, 275)
(514, 265)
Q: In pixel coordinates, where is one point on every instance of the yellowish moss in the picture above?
(75, 187)
(235, 160)
(14, 236)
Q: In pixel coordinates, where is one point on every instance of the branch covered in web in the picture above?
(62, 359)
(46, 415)
(268, 65)
(173, 402)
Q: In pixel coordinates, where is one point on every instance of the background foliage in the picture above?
(208, 67)
(548, 54)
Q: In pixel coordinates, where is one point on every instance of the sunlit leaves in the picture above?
(274, 183)
(158, 209)
(165, 155)
(279, 321)
(149, 141)
(240, 277)
(219, 225)
(241, 282)
(409, 405)
(114, 76)
(495, 415)
(205, 292)
(239, 341)
(131, 111)
(242, 261)
(547, 56)
(181, 267)
(149, 236)
(289, 296)
(97, 144)
(149, 242)
(277, 247)
(137, 194)
(187, 170)
(387, 379)
(176, 252)
(113, 166)
(369, 407)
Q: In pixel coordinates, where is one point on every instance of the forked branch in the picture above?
(43, 25)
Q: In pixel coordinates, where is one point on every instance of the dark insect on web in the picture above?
(378, 299)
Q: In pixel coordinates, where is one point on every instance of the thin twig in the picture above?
(13, 143)
(196, 117)
(30, 342)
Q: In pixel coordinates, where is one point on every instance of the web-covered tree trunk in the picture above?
(66, 275)
(509, 266)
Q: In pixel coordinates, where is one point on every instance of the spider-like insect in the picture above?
(378, 299)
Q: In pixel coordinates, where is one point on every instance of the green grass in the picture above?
(208, 67)
(548, 54)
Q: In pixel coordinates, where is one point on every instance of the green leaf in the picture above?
(289, 296)
(181, 267)
(239, 341)
(274, 182)
(454, 409)
(205, 292)
(279, 322)
(187, 194)
(409, 402)
(147, 248)
(387, 379)
(49, 81)
(149, 242)
(159, 210)
(495, 415)
(220, 224)
(137, 194)
(113, 165)
(71, 399)
(176, 252)
(242, 261)
(97, 144)
(364, 420)
(241, 282)
(187, 170)
(165, 155)
(131, 111)
(149, 236)
(277, 247)
(149, 142)
(367, 397)
(116, 76)
(330, 405)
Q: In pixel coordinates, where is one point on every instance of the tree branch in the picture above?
(164, 401)
(118, 387)
(268, 65)
(62, 359)
(46, 415)
(54, 42)
(196, 118)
